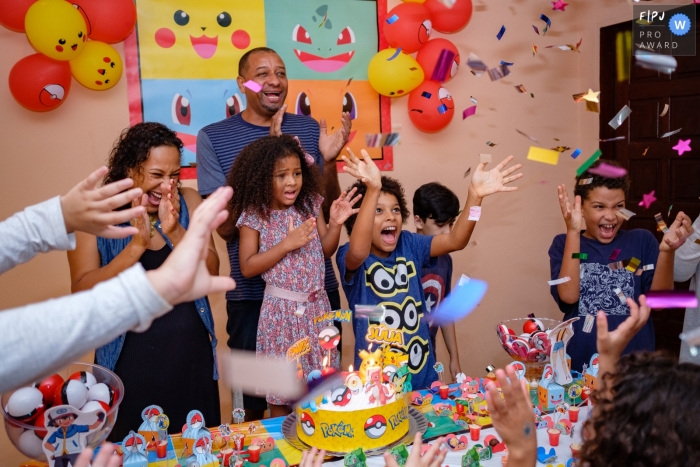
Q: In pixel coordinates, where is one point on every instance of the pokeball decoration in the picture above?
(329, 338)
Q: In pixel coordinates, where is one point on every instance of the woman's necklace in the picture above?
(153, 219)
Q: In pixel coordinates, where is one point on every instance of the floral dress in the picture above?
(301, 270)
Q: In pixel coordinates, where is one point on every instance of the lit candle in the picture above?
(326, 369)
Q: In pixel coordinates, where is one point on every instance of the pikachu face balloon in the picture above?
(392, 73)
(56, 29)
(99, 67)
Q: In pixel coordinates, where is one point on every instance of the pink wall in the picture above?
(46, 154)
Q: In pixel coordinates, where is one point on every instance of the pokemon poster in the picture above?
(182, 63)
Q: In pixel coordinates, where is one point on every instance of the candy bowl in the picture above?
(86, 387)
(530, 348)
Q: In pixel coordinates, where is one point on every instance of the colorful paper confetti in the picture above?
(531, 138)
(473, 99)
(647, 199)
(469, 170)
(594, 157)
(392, 19)
(444, 63)
(670, 133)
(652, 61)
(559, 281)
(672, 299)
(378, 140)
(474, 213)
(620, 117)
(499, 72)
(579, 256)
(660, 224)
(561, 148)
(682, 146)
(663, 112)
(520, 88)
(607, 170)
(485, 158)
(546, 156)
(501, 32)
(615, 254)
(576, 153)
(616, 138)
(489, 143)
(548, 21)
(396, 54)
(503, 62)
(468, 112)
(253, 86)
(559, 5)
(585, 181)
(534, 50)
(626, 214)
(537, 31)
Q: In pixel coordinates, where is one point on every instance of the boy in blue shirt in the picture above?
(381, 265)
(435, 209)
(619, 263)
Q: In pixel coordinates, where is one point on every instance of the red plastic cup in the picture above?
(585, 393)
(444, 391)
(475, 432)
(573, 414)
(239, 441)
(254, 452)
(162, 449)
(553, 437)
(225, 456)
(575, 450)
(459, 406)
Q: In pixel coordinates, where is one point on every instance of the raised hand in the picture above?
(342, 208)
(495, 180)
(313, 458)
(364, 170)
(276, 122)
(105, 458)
(90, 209)
(142, 222)
(572, 215)
(678, 232)
(331, 145)
(299, 237)
(169, 207)
(610, 344)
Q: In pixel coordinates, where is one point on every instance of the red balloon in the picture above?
(429, 55)
(430, 107)
(449, 20)
(108, 21)
(40, 83)
(12, 13)
(407, 26)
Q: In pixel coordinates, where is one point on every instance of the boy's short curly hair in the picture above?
(651, 416)
(390, 186)
(435, 201)
(622, 183)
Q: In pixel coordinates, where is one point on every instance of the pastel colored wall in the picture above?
(44, 155)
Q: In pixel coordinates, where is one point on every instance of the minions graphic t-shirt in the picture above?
(394, 282)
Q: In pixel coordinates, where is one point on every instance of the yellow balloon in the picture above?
(394, 77)
(99, 67)
(56, 29)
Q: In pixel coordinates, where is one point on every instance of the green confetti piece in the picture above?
(586, 165)
(580, 256)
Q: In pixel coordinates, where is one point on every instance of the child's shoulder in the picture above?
(639, 236)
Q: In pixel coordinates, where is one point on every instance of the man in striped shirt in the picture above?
(219, 144)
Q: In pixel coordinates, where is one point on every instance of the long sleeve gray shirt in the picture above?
(41, 338)
(687, 266)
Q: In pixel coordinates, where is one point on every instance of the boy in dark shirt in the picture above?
(619, 263)
(435, 209)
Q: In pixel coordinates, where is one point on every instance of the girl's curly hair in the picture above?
(390, 186)
(651, 416)
(252, 172)
(132, 148)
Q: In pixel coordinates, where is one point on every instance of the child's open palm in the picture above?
(572, 214)
(364, 170)
(342, 208)
(678, 232)
(496, 179)
(300, 236)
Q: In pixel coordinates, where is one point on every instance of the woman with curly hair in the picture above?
(173, 362)
(276, 201)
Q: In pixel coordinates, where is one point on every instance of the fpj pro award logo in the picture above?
(664, 29)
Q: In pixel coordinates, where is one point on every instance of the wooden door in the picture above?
(649, 159)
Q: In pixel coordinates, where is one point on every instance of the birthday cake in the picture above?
(368, 411)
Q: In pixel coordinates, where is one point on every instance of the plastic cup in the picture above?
(254, 452)
(573, 414)
(162, 449)
(225, 456)
(460, 406)
(575, 450)
(475, 432)
(585, 394)
(444, 391)
(553, 437)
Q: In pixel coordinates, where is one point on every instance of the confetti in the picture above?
(484, 158)
(651, 61)
(572, 47)
(349, 81)
(620, 295)
(546, 156)
(396, 54)
(537, 31)
(670, 133)
(426, 94)
(620, 117)
(269, 375)
(467, 172)
(626, 214)
(615, 254)
(697, 241)
(501, 32)
(576, 153)
(648, 267)
(561, 148)
(325, 18)
(559, 5)
(632, 264)
(660, 224)
(474, 213)
(531, 138)
(672, 299)
(579, 256)
(378, 140)
(663, 112)
(468, 112)
(592, 107)
(544, 18)
(616, 265)
(489, 143)
(559, 281)
(607, 170)
(534, 50)
(448, 3)
(588, 323)
(532, 95)
(373, 312)
(392, 19)
(645, 152)
(444, 63)
(499, 72)
(253, 86)
(594, 157)
(442, 109)
(460, 303)
(503, 62)
(682, 146)
(616, 138)
(478, 67)
(520, 88)
(472, 99)
(670, 208)
(585, 181)
(647, 199)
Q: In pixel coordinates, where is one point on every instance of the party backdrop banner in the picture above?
(182, 63)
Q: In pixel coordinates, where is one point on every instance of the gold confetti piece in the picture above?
(484, 158)
(663, 112)
(585, 181)
(592, 107)
(546, 156)
(633, 264)
(557, 139)
(532, 95)
(520, 88)
(697, 241)
(645, 152)
(626, 214)
(489, 143)
(591, 96)
(616, 265)
(534, 50)
(660, 224)
(561, 148)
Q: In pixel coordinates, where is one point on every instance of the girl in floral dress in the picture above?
(283, 235)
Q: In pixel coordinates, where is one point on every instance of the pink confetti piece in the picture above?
(615, 254)
(607, 170)
(253, 86)
(468, 112)
(647, 199)
(682, 146)
(672, 299)
(441, 70)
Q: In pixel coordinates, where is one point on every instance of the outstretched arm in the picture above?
(341, 209)
(569, 291)
(483, 184)
(678, 232)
